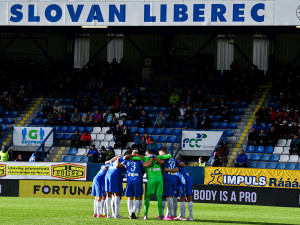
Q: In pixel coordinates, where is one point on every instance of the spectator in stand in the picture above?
(294, 129)
(102, 155)
(152, 146)
(163, 99)
(261, 139)
(19, 158)
(199, 99)
(174, 113)
(47, 109)
(91, 84)
(97, 119)
(93, 155)
(127, 134)
(285, 130)
(146, 138)
(108, 118)
(137, 141)
(65, 118)
(124, 97)
(160, 120)
(182, 112)
(174, 98)
(257, 127)
(58, 120)
(223, 152)
(272, 114)
(85, 139)
(252, 137)
(116, 106)
(57, 106)
(10, 102)
(120, 140)
(282, 115)
(292, 115)
(215, 160)
(144, 120)
(87, 119)
(77, 102)
(225, 113)
(75, 142)
(113, 123)
(277, 127)
(271, 137)
(189, 114)
(75, 118)
(131, 113)
(241, 160)
(52, 117)
(201, 162)
(19, 102)
(295, 145)
(86, 104)
(193, 122)
(142, 99)
(262, 115)
(110, 153)
(117, 131)
(204, 121)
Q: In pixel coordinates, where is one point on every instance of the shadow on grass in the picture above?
(241, 222)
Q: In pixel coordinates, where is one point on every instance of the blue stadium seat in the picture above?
(250, 149)
(66, 136)
(223, 125)
(280, 166)
(56, 128)
(8, 121)
(68, 102)
(268, 126)
(178, 139)
(175, 132)
(232, 126)
(26, 100)
(140, 130)
(14, 114)
(249, 156)
(76, 158)
(255, 157)
(171, 139)
(216, 118)
(235, 119)
(127, 123)
(43, 121)
(271, 165)
(58, 136)
(81, 129)
(149, 130)
(71, 129)
(72, 151)
(234, 104)
(67, 158)
(162, 138)
(133, 130)
(134, 123)
(35, 121)
(63, 129)
(166, 131)
(214, 125)
(243, 105)
(297, 167)
(84, 159)
(157, 131)
(39, 115)
(228, 133)
(211, 117)
(162, 109)
(3, 127)
(154, 137)
(251, 164)
(290, 166)
(265, 157)
(259, 149)
(239, 112)
(159, 146)
(261, 165)
(179, 125)
(51, 100)
(263, 125)
(171, 124)
(6, 114)
(154, 109)
(151, 116)
(89, 129)
(274, 158)
(269, 149)
(1, 120)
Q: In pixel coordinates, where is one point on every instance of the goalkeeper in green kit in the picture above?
(155, 179)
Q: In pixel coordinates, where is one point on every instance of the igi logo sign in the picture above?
(68, 171)
(33, 136)
(2, 170)
(194, 142)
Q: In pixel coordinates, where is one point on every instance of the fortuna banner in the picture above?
(200, 140)
(32, 136)
(150, 13)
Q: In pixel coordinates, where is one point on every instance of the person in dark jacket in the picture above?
(262, 115)
(252, 137)
(48, 108)
(93, 154)
(75, 142)
(272, 137)
(174, 113)
(295, 145)
(241, 160)
(144, 120)
(215, 160)
(223, 152)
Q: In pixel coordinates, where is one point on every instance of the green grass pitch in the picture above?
(79, 211)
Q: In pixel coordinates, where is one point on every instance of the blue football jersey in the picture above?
(170, 164)
(112, 169)
(134, 169)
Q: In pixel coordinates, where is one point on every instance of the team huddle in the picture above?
(167, 178)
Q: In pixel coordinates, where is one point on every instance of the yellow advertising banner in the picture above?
(28, 170)
(252, 177)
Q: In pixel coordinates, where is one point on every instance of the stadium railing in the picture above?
(42, 146)
(5, 135)
(171, 146)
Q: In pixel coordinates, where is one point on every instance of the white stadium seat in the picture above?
(104, 143)
(96, 143)
(288, 142)
(118, 152)
(278, 150)
(100, 137)
(96, 130)
(93, 136)
(293, 158)
(120, 122)
(104, 130)
(108, 137)
(286, 151)
(81, 151)
(281, 142)
(284, 158)
(111, 143)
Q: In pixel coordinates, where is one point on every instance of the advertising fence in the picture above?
(150, 13)
(32, 136)
(43, 171)
(200, 140)
(252, 177)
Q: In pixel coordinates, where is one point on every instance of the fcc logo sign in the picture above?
(68, 171)
(298, 12)
(2, 170)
